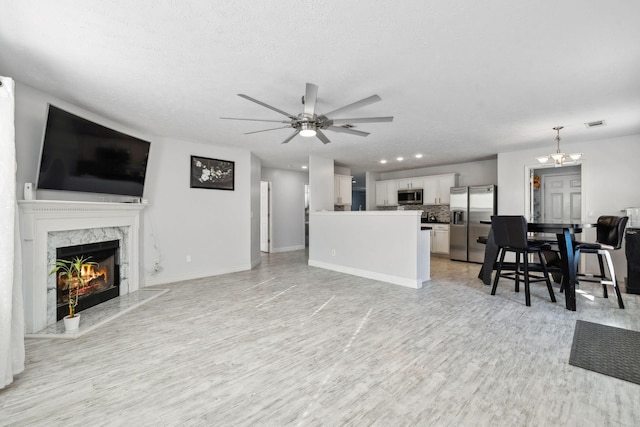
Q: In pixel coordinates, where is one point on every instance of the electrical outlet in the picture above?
(156, 267)
(333, 252)
(188, 258)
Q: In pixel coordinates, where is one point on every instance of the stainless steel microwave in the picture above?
(410, 197)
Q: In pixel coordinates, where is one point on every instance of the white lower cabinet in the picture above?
(440, 239)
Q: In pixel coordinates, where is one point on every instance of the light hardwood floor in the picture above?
(288, 344)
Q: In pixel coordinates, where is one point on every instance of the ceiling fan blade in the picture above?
(266, 130)
(256, 120)
(322, 137)
(362, 120)
(241, 95)
(293, 135)
(347, 130)
(357, 104)
(310, 96)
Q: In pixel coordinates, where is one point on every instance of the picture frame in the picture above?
(212, 174)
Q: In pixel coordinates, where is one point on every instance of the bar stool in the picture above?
(609, 235)
(510, 235)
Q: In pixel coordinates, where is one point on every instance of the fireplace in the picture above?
(102, 279)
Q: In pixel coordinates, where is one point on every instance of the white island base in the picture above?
(381, 245)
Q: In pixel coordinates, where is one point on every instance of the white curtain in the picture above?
(11, 305)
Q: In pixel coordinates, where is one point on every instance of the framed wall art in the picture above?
(213, 174)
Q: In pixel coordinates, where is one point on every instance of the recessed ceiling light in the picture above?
(418, 156)
(383, 161)
(304, 166)
(400, 159)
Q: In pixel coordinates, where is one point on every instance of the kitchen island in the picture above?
(389, 246)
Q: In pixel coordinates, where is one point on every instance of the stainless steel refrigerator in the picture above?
(469, 206)
(458, 230)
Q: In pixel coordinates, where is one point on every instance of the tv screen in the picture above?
(80, 155)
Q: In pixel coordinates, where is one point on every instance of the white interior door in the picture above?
(265, 216)
(562, 199)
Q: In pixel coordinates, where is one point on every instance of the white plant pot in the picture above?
(71, 324)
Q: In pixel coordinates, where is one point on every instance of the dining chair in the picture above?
(510, 235)
(609, 235)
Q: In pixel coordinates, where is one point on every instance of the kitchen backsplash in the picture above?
(441, 212)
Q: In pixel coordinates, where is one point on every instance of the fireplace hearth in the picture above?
(102, 281)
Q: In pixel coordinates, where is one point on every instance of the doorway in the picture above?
(556, 194)
(265, 216)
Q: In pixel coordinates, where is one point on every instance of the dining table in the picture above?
(565, 235)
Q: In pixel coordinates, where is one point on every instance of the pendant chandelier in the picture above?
(559, 158)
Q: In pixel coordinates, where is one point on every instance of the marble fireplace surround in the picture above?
(48, 224)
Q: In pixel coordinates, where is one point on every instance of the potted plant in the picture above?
(70, 271)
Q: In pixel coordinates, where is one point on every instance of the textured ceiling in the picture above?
(463, 79)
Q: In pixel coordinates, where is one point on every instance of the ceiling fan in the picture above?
(309, 123)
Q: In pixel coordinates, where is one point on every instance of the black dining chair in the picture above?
(510, 235)
(609, 235)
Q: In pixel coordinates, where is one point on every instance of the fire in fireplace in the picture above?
(102, 280)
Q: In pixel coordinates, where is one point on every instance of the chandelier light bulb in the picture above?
(543, 159)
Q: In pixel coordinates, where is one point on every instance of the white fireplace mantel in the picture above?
(40, 217)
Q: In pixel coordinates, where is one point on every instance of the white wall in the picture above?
(213, 226)
(321, 184)
(380, 245)
(341, 170)
(610, 175)
(287, 211)
(256, 171)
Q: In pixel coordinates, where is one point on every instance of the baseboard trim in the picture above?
(255, 263)
(287, 249)
(396, 280)
(154, 281)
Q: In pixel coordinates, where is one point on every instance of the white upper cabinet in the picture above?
(445, 182)
(435, 189)
(386, 193)
(342, 189)
(430, 191)
(410, 183)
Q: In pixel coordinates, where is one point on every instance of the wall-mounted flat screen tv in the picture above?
(80, 155)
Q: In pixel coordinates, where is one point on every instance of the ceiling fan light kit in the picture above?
(307, 130)
(559, 158)
(309, 123)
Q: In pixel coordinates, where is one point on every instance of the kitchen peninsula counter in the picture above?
(382, 245)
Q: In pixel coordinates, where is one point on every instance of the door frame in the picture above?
(528, 199)
(266, 194)
(528, 188)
